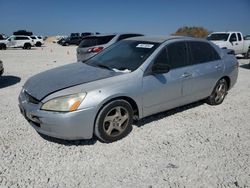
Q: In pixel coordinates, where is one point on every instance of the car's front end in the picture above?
(64, 107)
(69, 124)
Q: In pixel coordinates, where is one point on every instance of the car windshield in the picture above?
(124, 56)
(218, 36)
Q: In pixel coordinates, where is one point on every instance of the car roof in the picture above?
(223, 32)
(20, 36)
(158, 39)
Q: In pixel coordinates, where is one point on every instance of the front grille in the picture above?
(31, 99)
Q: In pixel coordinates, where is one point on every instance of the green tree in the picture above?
(198, 32)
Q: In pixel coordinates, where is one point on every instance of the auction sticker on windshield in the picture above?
(144, 45)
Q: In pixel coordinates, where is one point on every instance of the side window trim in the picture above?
(148, 70)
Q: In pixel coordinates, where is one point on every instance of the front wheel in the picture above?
(38, 44)
(114, 121)
(219, 93)
(2, 47)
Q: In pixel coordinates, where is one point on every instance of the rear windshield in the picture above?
(218, 36)
(126, 55)
(94, 41)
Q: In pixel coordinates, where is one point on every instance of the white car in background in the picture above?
(231, 40)
(17, 41)
(38, 41)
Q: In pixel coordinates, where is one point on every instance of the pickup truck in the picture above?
(231, 40)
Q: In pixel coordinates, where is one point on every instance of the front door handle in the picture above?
(186, 75)
(217, 66)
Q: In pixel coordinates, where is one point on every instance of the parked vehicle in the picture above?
(18, 41)
(231, 40)
(38, 41)
(94, 44)
(71, 41)
(1, 68)
(131, 79)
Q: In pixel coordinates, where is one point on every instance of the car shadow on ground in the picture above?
(6, 81)
(69, 142)
(245, 66)
(168, 113)
(139, 123)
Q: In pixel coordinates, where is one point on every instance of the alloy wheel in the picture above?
(116, 121)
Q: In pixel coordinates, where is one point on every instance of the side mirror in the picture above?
(160, 68)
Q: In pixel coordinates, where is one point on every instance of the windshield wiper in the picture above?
(104, 66)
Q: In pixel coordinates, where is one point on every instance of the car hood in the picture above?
(45, 83)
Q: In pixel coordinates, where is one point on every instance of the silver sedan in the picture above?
(132, 79)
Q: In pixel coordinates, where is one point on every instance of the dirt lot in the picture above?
(193, 146)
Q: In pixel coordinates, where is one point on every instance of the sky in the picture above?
(151, 17)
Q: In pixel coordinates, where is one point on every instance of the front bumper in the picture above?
(69, 126)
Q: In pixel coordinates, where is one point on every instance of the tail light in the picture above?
(95, 49)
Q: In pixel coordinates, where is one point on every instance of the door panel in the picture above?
(201, 83)
(206, 69)
(162, 92)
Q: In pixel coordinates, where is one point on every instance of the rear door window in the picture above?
(22, 38)
(94, 41)
(239, 37)
(202, 52)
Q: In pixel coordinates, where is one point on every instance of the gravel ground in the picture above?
(193, 146)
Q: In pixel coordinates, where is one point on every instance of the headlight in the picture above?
(67, 103)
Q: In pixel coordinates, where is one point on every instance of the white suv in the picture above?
(17, 41)
(38, 41)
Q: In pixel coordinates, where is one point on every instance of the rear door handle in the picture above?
(186, 75)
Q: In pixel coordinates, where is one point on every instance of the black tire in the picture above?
(38, 44)
(219, 93)
(3, 47)
(247, 55)
(109, 126)
(27, 46)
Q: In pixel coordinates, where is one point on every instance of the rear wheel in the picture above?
(219, 93)
(247, 55)
(27, 46)
(114, 121)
